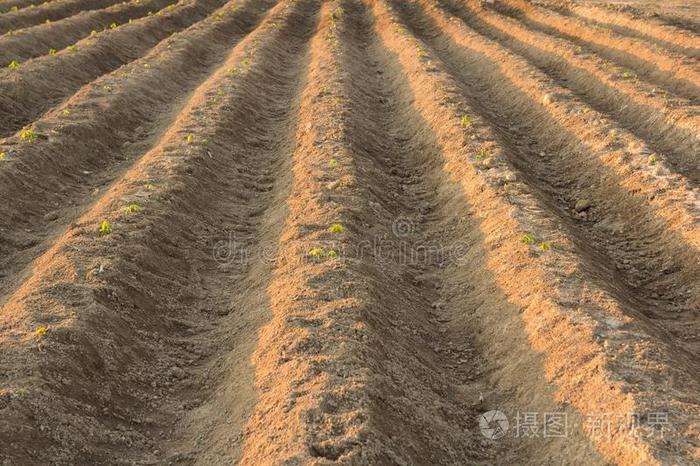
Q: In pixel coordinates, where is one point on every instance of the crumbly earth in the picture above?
(430, 232)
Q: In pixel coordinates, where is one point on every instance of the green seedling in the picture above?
(146, 65)
(585, 110)
(48, 21)
(132, 209)
(27, 135)
(232, 71)
(41, 331)
(652, 159)
(466, 121)
(72, 48)
(66, 112)
(190, 138)
(108, 88)
(106, 228)
(317, 252)
(150, 13)
(337, 228)
(19, 394)
(332, 254)
(113, 26)
(544, 246)
(528, 238)
(13, 64)
(3, 156)
(332, 162)
(53, 51)
(245, 62)
(93, 33)
(481, 155)
(14, 8)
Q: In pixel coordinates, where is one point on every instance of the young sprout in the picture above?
(113, 26)
(14, 8)
(146, 65)
(132, 208)
(105, 228)
(466, 121)
(66, 112)
(317, 252)
(13, 64)
(19, 394)
(332, 254)
(190, 138)
(332, 162)
(545, 246)
(245, 62)
(150, 13)
(528, 238)
(337, 228)
(2, 156)
(48, 21)
(232, 71)
(93, 33)
(27, 135)
(626, 74)
(585, 110)
(53, 51)
(652, 159)
(72, 48)
(481, 155)
(41, 331)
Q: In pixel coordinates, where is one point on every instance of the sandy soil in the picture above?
(350, 231)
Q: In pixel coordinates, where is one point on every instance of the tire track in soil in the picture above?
(53, 11)
(182, 318)
(663, 69)
(39, 40)
(639, 264)
(670, 130)
(42, 83)
(106, 131)
(613, 367)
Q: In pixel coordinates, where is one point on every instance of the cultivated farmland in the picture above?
(349, 231)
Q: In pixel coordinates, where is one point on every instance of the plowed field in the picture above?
(349, 231)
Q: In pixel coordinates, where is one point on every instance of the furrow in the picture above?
(166, 287)
(52, 11)
(600, 352)
(40, 84)
(668, 127)
(82, 146)
(16, 5)
(639, 228)
(49, 38)
(648, 29)
(676, 74)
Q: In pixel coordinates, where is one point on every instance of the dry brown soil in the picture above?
(412, 232)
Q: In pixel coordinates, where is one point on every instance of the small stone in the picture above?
(547, 99)
(510, 178)
(582, 204)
